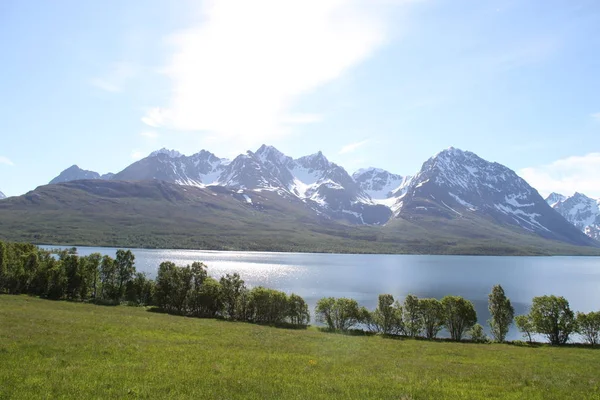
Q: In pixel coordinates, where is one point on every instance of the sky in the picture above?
(382, 83)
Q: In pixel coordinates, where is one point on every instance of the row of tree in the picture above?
(25, 268)
(549, 316)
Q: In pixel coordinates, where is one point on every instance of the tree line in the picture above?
(28, 269)
(190, 291)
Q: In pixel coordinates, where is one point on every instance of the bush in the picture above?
(339, 314)
(588, 326)
(477, 334)
(525, 326)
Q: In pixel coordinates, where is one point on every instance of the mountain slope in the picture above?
(458, 184)
(580, 210)
(155, 214)
(2, 196)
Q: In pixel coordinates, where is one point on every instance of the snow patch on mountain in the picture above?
(167, 152)
(580, 210)
(2, 196)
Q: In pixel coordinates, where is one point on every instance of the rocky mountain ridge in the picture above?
(580, 210)
(453, 184)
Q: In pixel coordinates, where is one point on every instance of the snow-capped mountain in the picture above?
(580, 210)
(382, 186)
(200, 169)
(455, 183)
(452, 184)
(2, 196)
(554, 198)
(74, 173)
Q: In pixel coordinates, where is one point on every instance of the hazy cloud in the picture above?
(6, 161)
(349, 148)
(238, 73)
(596, 116)
(566, 176)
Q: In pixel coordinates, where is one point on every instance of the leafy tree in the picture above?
(209, 300)
(109, 279)
(232, 289)
(477, 334)
(552, 317)
(525, 326)
(298, 310)
(459, 316)
(387, 317)
(267, 305)
(502, 313)
(413, 323)
(588, 326)
(92, 273)
(70, 263)
(125, 269)
(139, 290)
(3, 266)
(432, 316)
(339, 314)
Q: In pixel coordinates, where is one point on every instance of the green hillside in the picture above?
(160, 215)
(73, 351)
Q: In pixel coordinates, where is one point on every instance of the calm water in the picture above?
(364, 277)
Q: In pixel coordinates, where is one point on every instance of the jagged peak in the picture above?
(167, 152)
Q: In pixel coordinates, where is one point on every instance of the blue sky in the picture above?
(384, 83)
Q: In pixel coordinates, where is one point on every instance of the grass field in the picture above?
(59, 350)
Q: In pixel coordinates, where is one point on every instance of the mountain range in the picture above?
(456, 203)
(2, 196)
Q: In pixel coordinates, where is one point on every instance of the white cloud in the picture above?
(116, 78)
(596, 116)
(149, 134)
(6, 161)
(238, 73)
(566, 176)
(349, 148)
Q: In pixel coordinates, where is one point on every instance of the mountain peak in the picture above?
(74, 173)
(167, 152)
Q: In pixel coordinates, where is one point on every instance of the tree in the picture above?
(209, 298)
(477, 334)
(502, 313)
(387, 317)
(525, 326)
(125, 269)
(339, 314)
(92, 268)
(413, 323)
(232, 288)
(588, 326)
(298, 310)
(552, 317)
(3, 267)
(459, 316)
(432, 316)
(108, 277)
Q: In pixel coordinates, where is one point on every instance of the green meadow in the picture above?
(65, 350)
